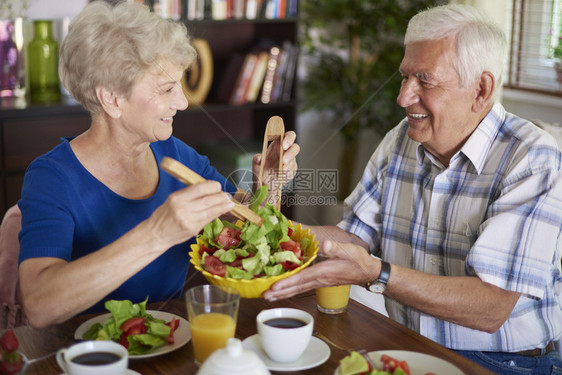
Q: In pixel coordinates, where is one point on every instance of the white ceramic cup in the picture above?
(66, 358)
(284, 344)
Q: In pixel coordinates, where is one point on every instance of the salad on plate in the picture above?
(356, 364)
(134, 328)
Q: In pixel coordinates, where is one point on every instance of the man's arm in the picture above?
(464, 300)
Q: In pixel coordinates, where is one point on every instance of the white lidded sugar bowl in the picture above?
(233, 360)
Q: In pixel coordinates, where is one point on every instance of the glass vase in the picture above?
(43, 54)
(12, 77)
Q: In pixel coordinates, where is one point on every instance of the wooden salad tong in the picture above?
(189, 177)
(275, 129)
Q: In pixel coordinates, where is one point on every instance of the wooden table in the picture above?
(358, 327)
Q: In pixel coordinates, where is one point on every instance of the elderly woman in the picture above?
(100, 220)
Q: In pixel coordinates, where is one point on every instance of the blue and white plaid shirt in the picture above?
(495, 212)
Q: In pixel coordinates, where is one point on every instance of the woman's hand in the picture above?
(271, 168)
(344, 263)
(187, 211)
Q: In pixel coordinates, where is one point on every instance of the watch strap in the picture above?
(379, 285)
(385, 273)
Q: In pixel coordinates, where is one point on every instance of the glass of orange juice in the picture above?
(212, 312)
(333, 299)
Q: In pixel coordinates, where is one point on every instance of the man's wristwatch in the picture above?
(379, 285)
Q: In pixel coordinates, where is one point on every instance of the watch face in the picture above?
(377, 288)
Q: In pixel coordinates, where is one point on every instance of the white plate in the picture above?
(127, 372)
(419, 363)
(182, 335)
(316, 353)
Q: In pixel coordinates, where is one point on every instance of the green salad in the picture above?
(251, 250)
(131, 326)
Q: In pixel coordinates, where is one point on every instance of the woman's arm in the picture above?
(54, 290)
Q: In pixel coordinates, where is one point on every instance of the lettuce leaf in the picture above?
(156, 334)
(262, 241)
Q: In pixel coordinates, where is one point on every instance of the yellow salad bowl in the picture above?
(256, 287)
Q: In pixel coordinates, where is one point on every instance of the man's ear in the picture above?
(109, 102)
(484, 90)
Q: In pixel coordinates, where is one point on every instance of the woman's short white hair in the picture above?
(114, 46)
(481, 44)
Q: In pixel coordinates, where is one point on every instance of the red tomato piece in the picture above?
(173, 324)
(290, 232)
(293, 246)
(9, 341)
(289, 265)
(136, 330)
(228, 238)
(236, 263)
(136, 324)
(123, 340)
(208, 250)
(404, 366)
(388, 363)
(215, 266)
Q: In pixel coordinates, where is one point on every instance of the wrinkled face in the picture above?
(154, 101)
(439, 110)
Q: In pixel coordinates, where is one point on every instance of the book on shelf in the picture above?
(258, 75)
(290, 73)
(167, 8)
(238, 9)
(285, 73)
(242, 83)
(195, 10)
(220, 9)
(269, 74)
(264, 75)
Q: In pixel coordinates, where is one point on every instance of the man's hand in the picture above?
(342, 263)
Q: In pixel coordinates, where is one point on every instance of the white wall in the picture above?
(54, 9)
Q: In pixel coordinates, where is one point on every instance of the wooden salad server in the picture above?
(189, 177)
(275, 129)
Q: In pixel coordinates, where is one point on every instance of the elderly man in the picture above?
(462, 202)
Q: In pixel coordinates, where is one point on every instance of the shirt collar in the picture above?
(478, 145)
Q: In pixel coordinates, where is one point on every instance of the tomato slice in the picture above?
(293, 246)
(290, 232)
(289, 265)
(208, 250)
(123, 340)
(215, 266)
(228, 237)
(173, 324)
(133, 323)
(404, 366)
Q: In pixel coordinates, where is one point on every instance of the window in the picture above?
(535, 33)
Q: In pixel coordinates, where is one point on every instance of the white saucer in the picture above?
(316, 353)
(128, 372)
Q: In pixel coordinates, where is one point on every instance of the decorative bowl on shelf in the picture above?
(255, 288)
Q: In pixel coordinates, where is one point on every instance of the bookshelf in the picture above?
(27, 131)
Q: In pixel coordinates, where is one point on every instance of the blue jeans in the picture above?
(513, 364)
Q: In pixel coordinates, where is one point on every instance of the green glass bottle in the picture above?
(43, 54)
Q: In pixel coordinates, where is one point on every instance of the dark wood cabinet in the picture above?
(28, 131)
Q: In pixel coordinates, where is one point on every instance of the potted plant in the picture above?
(557, 55)
(355, 48)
